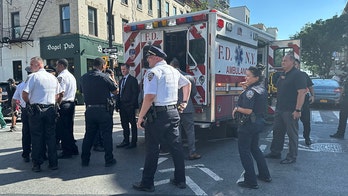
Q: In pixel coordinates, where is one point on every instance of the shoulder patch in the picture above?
(150, 76)
(250, 94)
(60, 79)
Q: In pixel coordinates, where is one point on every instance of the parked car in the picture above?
(326, 91)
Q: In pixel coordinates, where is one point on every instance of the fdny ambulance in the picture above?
(215, 48)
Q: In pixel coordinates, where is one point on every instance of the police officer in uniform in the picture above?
(26, 138)
(161, 84)
(251, 107)
(65, 123)
(40, 93)
(343, 115)
(96, 87)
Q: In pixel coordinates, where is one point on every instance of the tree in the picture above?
(320, 40)
(196, 5)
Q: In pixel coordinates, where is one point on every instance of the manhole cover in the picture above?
(327, 147)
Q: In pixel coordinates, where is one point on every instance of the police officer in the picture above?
(343, 115)
(26, 138)
(96, 87)
(65, 123)
(40, 93)
(161, 84)
(251, 106)
(306, 113)
(186, 117)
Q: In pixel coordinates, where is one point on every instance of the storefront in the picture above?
(79, 50)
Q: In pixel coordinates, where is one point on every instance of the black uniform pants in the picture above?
(306, 118)
(42, 128)
(343, 116)
(26, 138)
(97, 119)
(65, 128)
(127, 115)
(164, 129)
(248, 146)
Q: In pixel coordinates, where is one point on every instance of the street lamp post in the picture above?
(110, 25)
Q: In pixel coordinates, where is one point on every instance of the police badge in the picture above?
(249, 94)
(150, 76)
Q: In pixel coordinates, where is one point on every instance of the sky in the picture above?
(289, 16)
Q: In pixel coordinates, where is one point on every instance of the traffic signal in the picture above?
(106, 59)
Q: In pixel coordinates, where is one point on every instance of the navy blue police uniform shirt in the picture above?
(96, 87)
(254, 97)
(287, 86)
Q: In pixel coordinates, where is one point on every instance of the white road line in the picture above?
(316, 116)
(263, 147)
(161, 160)
(157, 183)
(211, 173)
(194, 187)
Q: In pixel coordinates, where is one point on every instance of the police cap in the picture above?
(28, 69)
(156, 51)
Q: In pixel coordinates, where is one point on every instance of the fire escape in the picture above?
(29, 27)
(33, 19)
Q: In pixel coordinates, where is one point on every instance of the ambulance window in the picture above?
(197, 50)
(279, 54)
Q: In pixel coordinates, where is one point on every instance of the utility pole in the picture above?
(110, 25)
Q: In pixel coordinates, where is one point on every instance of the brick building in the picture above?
(73, 29)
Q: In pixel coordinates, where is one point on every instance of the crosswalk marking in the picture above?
(316, 117)
(337, 114)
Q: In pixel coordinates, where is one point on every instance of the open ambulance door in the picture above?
(196, 58)
(278, 49)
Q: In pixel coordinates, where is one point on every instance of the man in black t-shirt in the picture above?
(291, 91)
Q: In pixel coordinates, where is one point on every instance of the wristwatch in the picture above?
(297, 110)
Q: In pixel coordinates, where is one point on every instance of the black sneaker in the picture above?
(140, 187)
(53, 167)
(246, 185)
(337, 135)
(265, 179)
(36, 168)
(181, 185)
(110, 163)
(308, 142)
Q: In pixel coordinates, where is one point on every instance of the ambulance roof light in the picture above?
(171, 22)
(220, 23)
(148, 26)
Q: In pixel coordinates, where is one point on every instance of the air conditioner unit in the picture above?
(139, 6)
(149, 12)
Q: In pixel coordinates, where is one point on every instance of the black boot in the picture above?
(337, 135)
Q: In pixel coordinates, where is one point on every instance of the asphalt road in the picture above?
(320, 168)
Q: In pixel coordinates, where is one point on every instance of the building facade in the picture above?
(73, 29)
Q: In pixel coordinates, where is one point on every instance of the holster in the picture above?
(151, 115)
(31, 109)
(110, 105)
(242, 119)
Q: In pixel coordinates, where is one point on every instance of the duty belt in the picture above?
(96, 106)
(44, 105)
(164, 108)
(64, 102)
